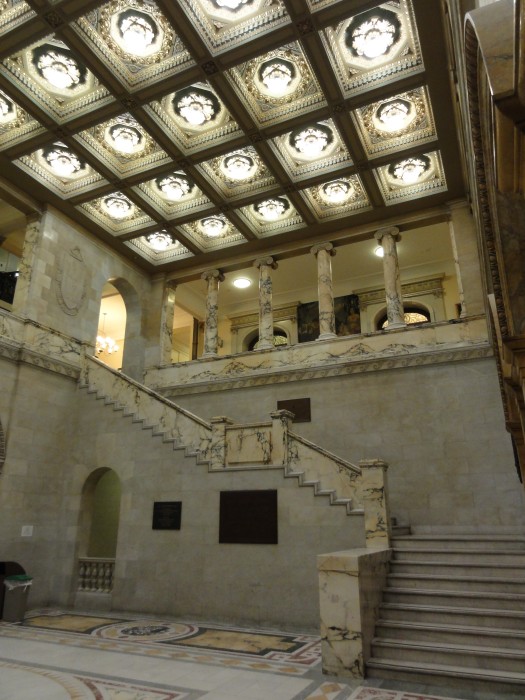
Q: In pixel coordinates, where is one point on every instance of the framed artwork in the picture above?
(347, 318)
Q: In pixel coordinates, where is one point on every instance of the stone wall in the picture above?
(439, 427)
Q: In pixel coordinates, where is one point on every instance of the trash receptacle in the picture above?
(15, 597)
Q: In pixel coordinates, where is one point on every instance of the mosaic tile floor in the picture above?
(64, 655)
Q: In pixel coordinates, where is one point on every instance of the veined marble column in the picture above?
(211, 336)
(32, 240)
(325, 293)
(386, 237)
(166, 323)
(265, 265)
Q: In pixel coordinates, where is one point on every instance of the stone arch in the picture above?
(409, 307)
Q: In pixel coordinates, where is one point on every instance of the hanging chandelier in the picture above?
(104, 342)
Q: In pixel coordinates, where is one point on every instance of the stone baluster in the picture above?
(386, 237)
(213, 277)
(325, 293)
(265, 265)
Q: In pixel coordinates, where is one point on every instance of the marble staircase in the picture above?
(453, 613)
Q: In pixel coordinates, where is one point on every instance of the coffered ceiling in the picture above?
(188, 132)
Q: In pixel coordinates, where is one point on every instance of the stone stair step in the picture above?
(452, 555)
(475, 617)
(451, 582)
(463, 599)
(452, 676)
(474, 542)
(453, 634)
(497, 658)
(459, 569)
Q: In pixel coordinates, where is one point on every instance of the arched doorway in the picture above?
(111, 327)
(99, 531)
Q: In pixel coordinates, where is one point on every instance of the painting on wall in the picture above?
(347, 318)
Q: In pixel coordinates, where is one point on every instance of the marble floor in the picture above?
(66, 655)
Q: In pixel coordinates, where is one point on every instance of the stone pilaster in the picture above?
(466, 259)
(218, 441)
(325, 293)
(213, 277)
(386, 237)
(265, 265)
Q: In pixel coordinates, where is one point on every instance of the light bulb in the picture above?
(378, 250)
(242, 283)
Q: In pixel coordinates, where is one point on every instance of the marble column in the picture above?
(325, 293)
(166, 323)
(213, 277)
(23, 290)
(265, 265)
(463, 237)
(386, 237)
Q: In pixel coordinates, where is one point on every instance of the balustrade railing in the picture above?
(95, 575)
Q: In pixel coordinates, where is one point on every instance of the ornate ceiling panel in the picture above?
(182, 130)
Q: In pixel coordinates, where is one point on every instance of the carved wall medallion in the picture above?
(71, 282)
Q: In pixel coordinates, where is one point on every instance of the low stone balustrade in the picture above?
(95, 575)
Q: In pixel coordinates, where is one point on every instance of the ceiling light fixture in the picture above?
(242, 283)
(125, 139)
(174, 187)
(159, 241)
(272, 209)
(137, 32)
(395, 115)
(378, 250)
(57, 67)
(410, 170)
(104, 342)
(233, 5)
(312, 140)
(196, 106)
(276, 75)
(337, 191)
(213, 226)
(372, 34)
(118, 206)
(62, 161)
(7, 109)
(239, 166)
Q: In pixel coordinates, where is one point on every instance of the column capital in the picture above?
(209, 274)
(269, 262)
(329, 247)
(388, 231)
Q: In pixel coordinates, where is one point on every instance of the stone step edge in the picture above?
(421, 562)
(520, 597)
(471, 650)
(480, 612)
(488, 537)
(452, 629)
(428, 550)
(466, 579)
(509, 677)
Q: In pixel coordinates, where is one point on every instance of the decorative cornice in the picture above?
(282, 313)
(434, 286)
(373, 364)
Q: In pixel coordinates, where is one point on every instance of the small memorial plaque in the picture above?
(166, 515)
(248, 517)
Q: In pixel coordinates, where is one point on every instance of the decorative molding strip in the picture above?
(433, 285)
(373, 364)
(280, 313)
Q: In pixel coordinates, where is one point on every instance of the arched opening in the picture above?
(280, 337)
(111, 327)
(98, 532)
(414, 314)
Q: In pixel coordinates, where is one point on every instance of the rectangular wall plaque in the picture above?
(248, 517)
(299, 407)
(166, 515)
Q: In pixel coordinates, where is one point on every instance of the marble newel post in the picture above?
(265, 265)
(386, 237)
(323, 252)
(210, 324)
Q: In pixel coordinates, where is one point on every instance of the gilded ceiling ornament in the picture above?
(136, 31)
(57, 67)
(11, 116)
(62, 162)
(213, 226)
(410, 170)
(175, 186)
(117, 206)
(161, 240)
(337, 191)
(272, 209)
(311, 141)
(373, 33)
(124, 135)
(277, 76)
(196, 106)
(239, 165)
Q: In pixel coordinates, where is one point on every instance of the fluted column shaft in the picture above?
(325, 293)
(211, 336)
(265, 265)
(386, 237)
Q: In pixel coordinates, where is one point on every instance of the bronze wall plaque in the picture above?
(299, 407)
(166, 515)
(248, 517)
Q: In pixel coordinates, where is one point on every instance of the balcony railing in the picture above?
(95, 575)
